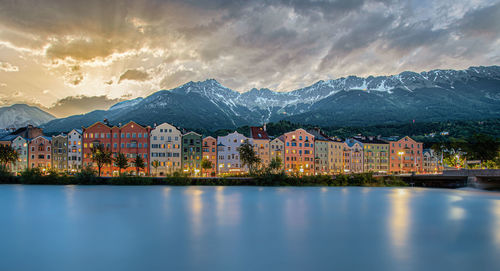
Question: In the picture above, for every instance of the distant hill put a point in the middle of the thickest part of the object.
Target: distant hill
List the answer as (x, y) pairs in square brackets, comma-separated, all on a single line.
[(438, 95), (19, 115)]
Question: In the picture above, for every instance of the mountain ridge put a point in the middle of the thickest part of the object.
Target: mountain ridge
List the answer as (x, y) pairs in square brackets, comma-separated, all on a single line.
[(18, 115), (398, 98)]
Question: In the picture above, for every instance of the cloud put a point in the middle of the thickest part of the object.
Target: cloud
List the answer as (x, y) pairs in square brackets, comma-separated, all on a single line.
[(90, 47), (81, 104), (134, 75), (7, 67)]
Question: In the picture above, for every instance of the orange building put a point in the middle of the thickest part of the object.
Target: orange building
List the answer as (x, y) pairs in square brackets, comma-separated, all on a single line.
[(299, 152), (130, 139), (406, 155), (209, 152), (40, 150)]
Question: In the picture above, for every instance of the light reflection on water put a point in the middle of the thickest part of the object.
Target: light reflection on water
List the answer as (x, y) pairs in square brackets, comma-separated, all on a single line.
[(247, 228), (400, 221)]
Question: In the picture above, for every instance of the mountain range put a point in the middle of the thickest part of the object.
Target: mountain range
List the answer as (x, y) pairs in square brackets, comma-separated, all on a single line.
[(19, 115), (436, 95)]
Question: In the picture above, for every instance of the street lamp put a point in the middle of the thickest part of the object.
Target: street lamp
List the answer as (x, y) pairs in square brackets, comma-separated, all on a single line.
[(401, 164)]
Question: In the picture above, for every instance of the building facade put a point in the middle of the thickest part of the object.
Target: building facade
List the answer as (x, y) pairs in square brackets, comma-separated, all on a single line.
[(209, 152), (165, 149), (431, 162), (406, 155), (335, 155), (60, 152), (191, 153), (375, 154), (261, 141), (75, 150), (299, 152), (40, 151), (134, 141), (20, 145), (277, 149), (228, 156), (321, 151), (353, 156), (130, 139)]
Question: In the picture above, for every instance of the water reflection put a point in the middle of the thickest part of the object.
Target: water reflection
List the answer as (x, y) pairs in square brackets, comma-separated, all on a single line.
[(400, 222), (69, 192), (455, 212), (496, 229), (195, 204), (227, 207)]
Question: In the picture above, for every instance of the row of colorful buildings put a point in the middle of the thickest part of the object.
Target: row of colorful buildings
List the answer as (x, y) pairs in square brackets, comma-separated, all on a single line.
[(165, 149)]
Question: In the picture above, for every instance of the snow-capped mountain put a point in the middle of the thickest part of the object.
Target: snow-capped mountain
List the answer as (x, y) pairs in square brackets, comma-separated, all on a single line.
[(19, 115), (426, 96)]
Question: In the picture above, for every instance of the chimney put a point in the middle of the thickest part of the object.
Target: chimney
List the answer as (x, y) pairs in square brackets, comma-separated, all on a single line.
[(264, 126)]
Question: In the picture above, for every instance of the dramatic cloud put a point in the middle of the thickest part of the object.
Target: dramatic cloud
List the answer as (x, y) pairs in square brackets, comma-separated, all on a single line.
[(134, 75), (126, 47), (80, 104)]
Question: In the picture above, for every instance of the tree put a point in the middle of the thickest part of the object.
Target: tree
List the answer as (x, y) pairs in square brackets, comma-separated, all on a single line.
[(101, 156), (7, 155), (121, 162), (248, 156), (482, 147), (139, 164), (275, 164), (206, 164), (155, 164)]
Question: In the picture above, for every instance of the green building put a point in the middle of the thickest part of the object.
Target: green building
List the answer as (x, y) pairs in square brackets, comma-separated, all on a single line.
[(375, 153), (191, 153)]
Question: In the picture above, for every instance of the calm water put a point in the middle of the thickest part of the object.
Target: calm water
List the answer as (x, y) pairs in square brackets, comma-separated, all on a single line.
[(247, 228)]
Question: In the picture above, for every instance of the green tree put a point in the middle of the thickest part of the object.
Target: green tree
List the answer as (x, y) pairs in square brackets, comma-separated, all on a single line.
[(248, 156), (206, 164), (7, 155), (121, 162), (481, 147), (139, 164), (155, 164), (275, 164), (101, 156)]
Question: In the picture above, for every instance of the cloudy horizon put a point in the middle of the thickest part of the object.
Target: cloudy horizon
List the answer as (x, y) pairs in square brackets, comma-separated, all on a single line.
[(77, 56)]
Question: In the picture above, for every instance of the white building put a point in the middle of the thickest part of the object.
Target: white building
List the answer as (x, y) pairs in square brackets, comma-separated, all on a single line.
[(228, 157), (165, 149), (20, 145), (75, 150)]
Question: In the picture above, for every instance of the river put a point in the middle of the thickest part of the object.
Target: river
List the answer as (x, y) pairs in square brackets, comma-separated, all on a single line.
[(247, 228)]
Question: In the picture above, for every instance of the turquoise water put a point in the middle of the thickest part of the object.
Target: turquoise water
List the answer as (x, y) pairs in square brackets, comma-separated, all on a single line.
[(247, 228)]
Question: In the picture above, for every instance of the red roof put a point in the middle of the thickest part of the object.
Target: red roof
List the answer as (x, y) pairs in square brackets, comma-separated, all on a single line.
[(258, 133)]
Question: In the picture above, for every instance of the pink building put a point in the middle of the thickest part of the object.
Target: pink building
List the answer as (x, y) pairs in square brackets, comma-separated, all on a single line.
[(40, 150), (406, 155), (299, 152)]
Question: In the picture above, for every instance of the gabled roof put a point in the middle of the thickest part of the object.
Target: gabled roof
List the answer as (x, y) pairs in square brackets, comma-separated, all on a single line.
[(351, 142), (370, 140), (60, 135), (280, 138), (258, 133), (318, 135), (191, 132), (45, 137), (76, 130)]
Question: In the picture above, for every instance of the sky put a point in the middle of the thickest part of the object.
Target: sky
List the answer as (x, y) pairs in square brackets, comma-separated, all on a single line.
[(70, 57)]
